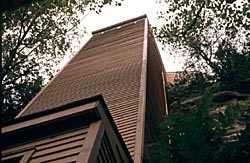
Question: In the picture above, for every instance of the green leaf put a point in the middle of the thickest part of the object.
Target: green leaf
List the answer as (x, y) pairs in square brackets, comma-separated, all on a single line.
[(229, 112), (170, 120), (221, 118), (204, 152)]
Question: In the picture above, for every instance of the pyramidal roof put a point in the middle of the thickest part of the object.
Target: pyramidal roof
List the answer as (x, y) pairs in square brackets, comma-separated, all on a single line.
[(114, 64)]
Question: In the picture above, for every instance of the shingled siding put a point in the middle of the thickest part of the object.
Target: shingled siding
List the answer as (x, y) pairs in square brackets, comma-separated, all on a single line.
[(109, 64)]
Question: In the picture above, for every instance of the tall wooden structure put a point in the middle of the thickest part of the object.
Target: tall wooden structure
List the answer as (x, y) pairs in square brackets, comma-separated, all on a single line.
[(123, 64)]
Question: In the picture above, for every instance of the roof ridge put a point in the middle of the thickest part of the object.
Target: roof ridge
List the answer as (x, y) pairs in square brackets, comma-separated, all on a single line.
[(119, 24)]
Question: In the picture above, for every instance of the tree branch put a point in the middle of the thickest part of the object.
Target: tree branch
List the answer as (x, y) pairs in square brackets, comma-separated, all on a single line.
[(13, 52), (206, 59), (18, 76), (197, 15)]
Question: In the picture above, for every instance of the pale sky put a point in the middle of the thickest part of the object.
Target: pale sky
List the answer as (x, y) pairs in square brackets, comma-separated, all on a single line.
[(130, 9)]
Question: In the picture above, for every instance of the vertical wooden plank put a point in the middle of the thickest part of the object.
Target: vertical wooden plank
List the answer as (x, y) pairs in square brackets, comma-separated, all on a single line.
[(90, 149), (142, 102)]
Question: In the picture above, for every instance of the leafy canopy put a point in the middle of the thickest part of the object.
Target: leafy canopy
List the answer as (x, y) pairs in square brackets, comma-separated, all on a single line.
[(197, 29)]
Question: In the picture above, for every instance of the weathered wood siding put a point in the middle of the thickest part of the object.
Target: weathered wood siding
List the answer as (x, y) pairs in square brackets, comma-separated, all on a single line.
[(64, 147), (109, 64), (155, 98)]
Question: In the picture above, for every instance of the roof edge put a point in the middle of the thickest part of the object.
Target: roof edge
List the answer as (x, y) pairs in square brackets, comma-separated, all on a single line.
[(84, 101), (119, 24)]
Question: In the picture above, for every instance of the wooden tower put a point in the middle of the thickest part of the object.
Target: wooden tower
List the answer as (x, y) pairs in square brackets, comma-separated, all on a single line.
[(121, 63)]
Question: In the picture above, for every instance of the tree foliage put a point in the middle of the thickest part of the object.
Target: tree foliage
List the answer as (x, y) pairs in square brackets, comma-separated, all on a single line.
[(214, 38), (199, 28), (198, 136), (34, 37)]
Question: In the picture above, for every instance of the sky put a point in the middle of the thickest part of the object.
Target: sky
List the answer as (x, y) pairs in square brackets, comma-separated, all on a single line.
[(129, 9)]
